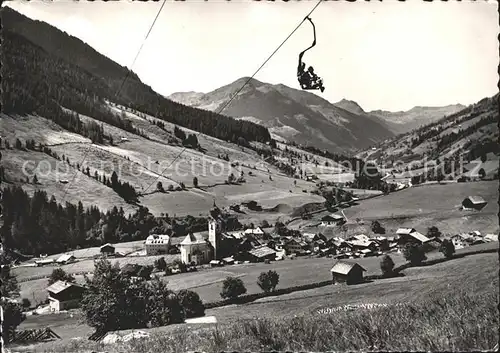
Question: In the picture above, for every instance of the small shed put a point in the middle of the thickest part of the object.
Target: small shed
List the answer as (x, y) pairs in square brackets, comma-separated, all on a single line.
[(216, 263), (44, 262), (491, 237), (474, 203), (66, 259), (107, 249), (347, 272)]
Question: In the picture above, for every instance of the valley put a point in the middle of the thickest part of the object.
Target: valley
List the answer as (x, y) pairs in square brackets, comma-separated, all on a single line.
[(125, 210)]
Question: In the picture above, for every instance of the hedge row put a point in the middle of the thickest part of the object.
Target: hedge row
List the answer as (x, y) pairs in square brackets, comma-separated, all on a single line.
[(252, 297)]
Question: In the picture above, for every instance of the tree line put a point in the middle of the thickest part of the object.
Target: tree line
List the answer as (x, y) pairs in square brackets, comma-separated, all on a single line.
[(39, 225)]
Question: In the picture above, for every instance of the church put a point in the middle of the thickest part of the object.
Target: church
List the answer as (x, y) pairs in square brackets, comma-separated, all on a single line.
[(201, 248)]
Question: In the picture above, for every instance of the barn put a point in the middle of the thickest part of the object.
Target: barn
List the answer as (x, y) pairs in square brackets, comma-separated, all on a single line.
[(107, 249), (260, 254), (64, 295), (347, 272), (474, 203)]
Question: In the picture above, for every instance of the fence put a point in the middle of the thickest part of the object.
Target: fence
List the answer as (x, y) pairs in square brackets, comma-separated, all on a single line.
[(35, 335)]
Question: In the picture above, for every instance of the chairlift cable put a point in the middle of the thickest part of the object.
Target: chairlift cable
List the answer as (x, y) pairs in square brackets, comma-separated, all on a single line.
[(227, 104), (231, 99)]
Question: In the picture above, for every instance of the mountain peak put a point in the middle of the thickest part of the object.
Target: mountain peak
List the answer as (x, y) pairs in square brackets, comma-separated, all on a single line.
[(247, 80), (350, 106)]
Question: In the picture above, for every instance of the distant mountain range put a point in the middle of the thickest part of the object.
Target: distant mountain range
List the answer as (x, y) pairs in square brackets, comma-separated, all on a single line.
[(287, 113), (404, 121), (401, 122), (293, 114), (309, 119), (471, 134)]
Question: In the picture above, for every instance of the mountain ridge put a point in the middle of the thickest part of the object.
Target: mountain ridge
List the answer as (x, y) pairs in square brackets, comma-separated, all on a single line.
[(291, 114), (416, 117)]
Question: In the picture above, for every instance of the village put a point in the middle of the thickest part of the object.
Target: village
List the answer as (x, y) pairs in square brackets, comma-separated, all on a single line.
[(188, 205), (217, 247)]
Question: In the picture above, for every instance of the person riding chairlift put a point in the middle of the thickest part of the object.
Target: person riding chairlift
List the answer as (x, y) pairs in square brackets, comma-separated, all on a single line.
[(308, 79)]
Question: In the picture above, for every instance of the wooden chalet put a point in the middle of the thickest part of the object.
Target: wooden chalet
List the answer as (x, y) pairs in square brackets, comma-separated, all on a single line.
[(347, 272)]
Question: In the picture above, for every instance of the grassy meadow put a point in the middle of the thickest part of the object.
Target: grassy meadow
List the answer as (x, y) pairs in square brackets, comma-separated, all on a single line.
[(449, 306)]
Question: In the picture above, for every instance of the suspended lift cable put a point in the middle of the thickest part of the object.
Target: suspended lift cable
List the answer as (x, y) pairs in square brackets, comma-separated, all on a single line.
[(243, 86), (116, 94), (220, 110)]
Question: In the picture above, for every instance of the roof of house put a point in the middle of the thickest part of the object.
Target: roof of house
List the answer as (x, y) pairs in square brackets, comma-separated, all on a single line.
[(61, 286), (309, 236), (493, 237), (262, 251), (461, 236), (360, 243), (237, 234), (361, 237), (332, 217), (228, 259), (344, 267), (420, 237), (405, 231), (290, 240), (257, 230), (476, 199), (251, 240), (158, 239), (107, 245), (44, 261), (194, 238), (65, 257)]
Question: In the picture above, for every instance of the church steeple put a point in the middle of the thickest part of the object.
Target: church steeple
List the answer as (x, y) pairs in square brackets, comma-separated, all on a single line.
[(215, 212), (215, 227)]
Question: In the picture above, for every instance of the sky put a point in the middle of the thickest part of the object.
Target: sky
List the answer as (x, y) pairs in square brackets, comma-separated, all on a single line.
[(386, 55)]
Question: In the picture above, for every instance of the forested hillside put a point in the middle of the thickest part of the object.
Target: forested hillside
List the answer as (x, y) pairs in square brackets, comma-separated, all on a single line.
[(459, 138), (44, 68), (38, 224)]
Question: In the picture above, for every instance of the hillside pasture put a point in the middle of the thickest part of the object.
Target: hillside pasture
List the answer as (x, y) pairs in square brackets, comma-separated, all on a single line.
[(418, 207), (148, 159), (299, 271), (36, 291), (32, 127), (50, 172), (336, 177), (425, 200), (475, 273)]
